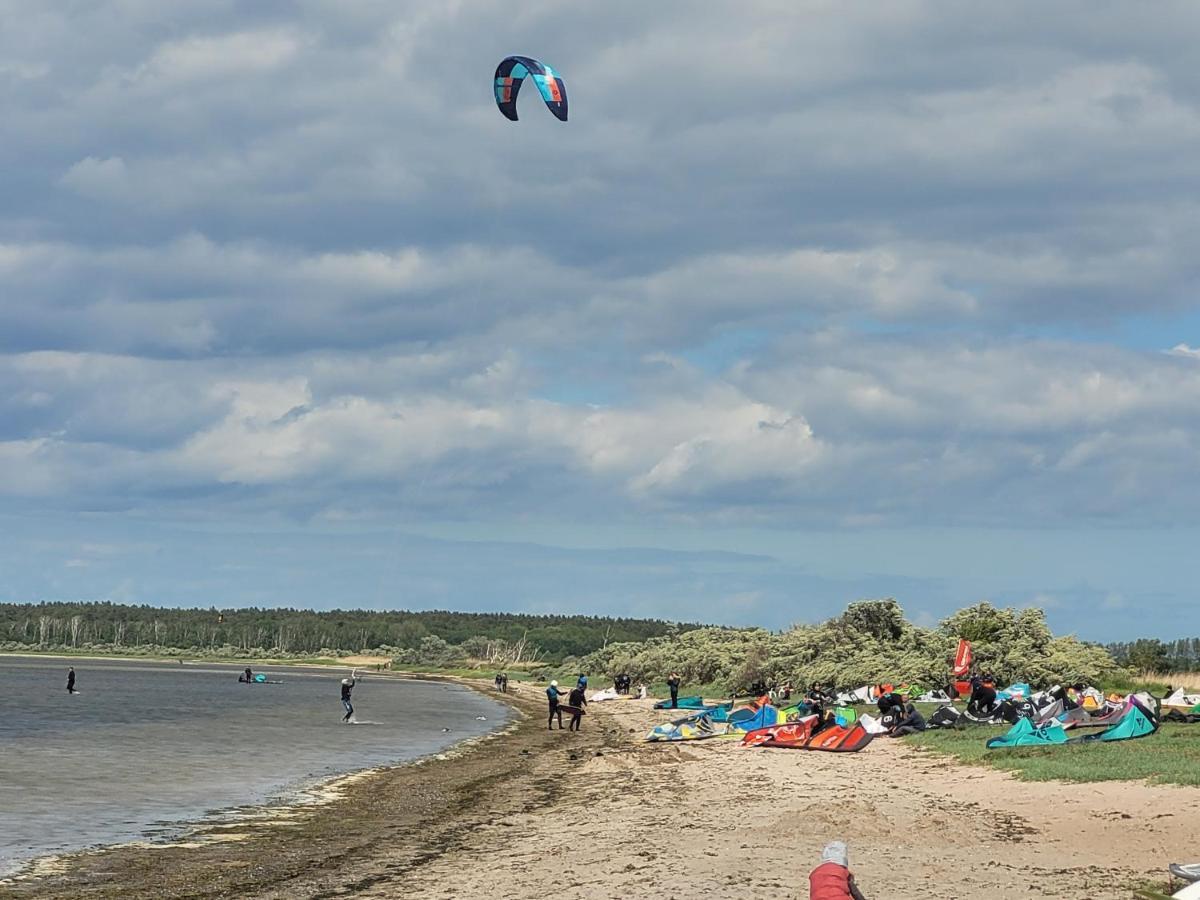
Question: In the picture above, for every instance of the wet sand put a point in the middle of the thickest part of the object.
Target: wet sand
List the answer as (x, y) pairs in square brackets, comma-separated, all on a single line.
[(532, 814)]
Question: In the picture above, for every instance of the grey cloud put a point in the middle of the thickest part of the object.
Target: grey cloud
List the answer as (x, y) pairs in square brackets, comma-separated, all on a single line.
[(285, 259)]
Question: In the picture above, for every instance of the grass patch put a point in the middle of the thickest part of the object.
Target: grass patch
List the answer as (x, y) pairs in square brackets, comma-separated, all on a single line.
[(1171, 756)]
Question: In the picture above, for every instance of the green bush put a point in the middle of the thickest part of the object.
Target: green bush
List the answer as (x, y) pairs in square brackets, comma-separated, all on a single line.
[(870, 643)]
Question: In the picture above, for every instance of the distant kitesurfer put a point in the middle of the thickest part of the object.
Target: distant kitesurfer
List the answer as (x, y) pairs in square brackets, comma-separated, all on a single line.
[(832, 879), (347, 687), (673, 684), (71, 680), (577, 701), (552, 694)]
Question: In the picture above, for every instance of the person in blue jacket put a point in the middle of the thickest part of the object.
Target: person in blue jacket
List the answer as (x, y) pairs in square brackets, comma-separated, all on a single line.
[(552, 694)]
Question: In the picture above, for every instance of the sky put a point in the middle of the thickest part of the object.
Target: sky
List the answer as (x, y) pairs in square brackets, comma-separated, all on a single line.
[(805, 303)]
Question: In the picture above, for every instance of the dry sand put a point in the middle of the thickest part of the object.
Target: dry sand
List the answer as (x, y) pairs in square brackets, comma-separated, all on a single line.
[(713, 819), (601, 815)]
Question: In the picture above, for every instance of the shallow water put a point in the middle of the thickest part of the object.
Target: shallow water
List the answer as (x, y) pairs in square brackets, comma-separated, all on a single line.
[(146, 747)]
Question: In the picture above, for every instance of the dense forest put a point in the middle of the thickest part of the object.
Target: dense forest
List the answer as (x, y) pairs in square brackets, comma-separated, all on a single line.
[(435, 635), (1150, 655)]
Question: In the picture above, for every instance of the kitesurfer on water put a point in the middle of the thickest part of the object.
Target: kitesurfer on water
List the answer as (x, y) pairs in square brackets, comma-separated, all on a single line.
[(71, 680), (347, 687)]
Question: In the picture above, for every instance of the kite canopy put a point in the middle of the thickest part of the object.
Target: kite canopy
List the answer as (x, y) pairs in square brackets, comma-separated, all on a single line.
[(962, 659), (513, 70)]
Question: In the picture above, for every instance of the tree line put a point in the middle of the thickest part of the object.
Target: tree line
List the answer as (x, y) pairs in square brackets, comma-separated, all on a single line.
[(112, 626), (1152, 655)]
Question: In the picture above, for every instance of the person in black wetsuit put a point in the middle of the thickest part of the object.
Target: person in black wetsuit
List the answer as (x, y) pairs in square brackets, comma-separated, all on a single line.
[(911, 721), (673, 684), (247, 676), (983, 700), (578, 700), (71, 680), (347, 688), (889, 701), (552, 695)]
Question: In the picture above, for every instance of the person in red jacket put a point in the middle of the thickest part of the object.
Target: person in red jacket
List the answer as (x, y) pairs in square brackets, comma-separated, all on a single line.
[(831, 880)]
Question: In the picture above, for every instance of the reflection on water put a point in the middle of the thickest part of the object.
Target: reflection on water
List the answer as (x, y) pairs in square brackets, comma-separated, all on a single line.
[(146, 746)]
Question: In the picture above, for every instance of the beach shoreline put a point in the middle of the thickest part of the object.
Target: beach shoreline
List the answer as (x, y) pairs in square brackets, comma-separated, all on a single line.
[(492, 820), (65, 873)]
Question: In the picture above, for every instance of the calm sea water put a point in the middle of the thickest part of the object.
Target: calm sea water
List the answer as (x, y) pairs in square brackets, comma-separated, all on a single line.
[(146, 747)]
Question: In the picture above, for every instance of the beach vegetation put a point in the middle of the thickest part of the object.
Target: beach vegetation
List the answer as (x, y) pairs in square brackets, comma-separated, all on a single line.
[(1171, 757), (870, 643)]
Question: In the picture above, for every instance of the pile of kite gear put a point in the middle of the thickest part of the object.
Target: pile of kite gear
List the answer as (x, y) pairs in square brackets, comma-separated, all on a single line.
[(1181, 708), (762, 724), (826, 719)]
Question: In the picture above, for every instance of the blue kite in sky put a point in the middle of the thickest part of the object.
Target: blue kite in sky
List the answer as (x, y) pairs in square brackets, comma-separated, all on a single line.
[(512, 72)]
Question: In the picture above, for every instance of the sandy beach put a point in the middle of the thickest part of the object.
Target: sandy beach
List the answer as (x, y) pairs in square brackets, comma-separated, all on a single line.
[(600, 814)]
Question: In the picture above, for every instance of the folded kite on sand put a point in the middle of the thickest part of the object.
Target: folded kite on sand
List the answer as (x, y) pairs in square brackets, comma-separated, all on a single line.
[(689, 730), (789, 732), (681, 703)]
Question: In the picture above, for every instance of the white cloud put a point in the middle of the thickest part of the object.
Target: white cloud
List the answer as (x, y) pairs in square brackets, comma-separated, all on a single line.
[(102, 178), (237, 53)]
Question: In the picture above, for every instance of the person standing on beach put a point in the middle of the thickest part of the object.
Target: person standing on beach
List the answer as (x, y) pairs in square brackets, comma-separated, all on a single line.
[(249, 675), (71, 680), (552, 694), (577, 701), (673, 684), (347, 687)]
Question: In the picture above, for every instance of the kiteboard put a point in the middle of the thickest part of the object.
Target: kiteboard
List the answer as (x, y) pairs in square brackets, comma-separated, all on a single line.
[(571, 710)]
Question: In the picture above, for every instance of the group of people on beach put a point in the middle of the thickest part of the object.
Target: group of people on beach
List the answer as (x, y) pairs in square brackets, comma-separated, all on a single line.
[(576, 701), (501, 682)]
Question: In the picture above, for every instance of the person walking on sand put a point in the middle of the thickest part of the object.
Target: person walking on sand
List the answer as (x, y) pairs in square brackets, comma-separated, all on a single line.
[(832, 880), (552, 694), (347, 687), (673, 684), (71, 680), (577, 701)]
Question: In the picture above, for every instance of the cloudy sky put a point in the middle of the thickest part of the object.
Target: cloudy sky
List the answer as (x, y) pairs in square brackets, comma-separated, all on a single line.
[(805, 303)]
